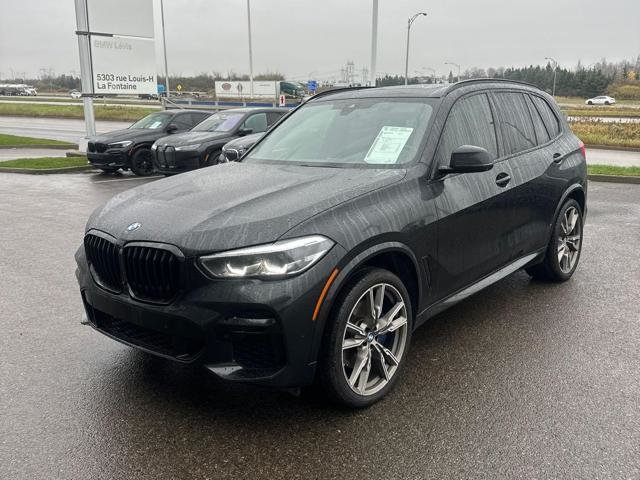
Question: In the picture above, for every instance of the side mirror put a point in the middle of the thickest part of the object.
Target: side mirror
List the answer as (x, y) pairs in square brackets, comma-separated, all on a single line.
[(467, 159), (172, 128), (245, 131)]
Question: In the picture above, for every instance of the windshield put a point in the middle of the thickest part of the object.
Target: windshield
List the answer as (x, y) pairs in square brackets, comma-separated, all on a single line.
[(219, 122), (153, 121), (374, 132)]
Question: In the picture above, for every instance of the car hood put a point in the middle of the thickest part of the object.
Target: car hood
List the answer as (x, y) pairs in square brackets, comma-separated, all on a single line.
[(233, 205), (124, 134), (189, 138)]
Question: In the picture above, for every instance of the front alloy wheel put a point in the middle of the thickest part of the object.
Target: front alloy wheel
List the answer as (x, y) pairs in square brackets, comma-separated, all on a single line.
[(142, 162), (368, 338), (374, 339)]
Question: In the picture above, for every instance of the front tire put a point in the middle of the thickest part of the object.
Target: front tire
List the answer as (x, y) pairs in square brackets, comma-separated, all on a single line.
[(589, 103), (142, 162), (367, 339), (563, 252)]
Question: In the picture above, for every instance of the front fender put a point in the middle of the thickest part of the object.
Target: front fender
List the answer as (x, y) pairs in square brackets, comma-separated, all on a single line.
[(350, 263)]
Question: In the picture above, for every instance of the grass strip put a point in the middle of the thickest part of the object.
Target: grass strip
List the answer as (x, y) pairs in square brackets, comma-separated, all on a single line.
[(14, 141), (613, 134), (102, 112), (43, 163), (613, 170)]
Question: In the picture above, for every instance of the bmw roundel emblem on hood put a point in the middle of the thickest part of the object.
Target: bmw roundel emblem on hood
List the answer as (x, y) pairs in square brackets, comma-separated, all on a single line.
[(133, 226)]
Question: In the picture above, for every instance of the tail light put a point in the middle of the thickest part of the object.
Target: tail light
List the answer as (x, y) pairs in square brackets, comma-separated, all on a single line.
[(583, 149)]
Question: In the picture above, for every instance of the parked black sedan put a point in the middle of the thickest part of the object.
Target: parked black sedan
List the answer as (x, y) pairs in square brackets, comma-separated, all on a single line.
[(130, 148), (202, 145)]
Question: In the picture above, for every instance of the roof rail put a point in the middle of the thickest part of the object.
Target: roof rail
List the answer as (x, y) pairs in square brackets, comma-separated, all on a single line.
[(462, 83), (336, 90)]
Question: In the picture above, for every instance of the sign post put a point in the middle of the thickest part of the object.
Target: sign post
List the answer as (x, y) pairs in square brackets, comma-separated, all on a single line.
[(84, 48)]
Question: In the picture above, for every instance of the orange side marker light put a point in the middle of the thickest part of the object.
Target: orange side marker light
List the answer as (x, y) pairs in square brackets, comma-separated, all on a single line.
[(323, 293)]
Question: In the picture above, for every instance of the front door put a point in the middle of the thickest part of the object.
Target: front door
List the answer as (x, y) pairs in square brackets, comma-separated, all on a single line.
[(474, 209)]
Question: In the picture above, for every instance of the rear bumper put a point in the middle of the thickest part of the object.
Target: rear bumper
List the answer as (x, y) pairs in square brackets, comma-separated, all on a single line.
[(246, 331)]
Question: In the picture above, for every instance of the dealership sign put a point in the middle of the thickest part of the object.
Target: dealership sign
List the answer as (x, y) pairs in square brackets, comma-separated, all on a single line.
[(123, 65), (241, 89), (121, 47)]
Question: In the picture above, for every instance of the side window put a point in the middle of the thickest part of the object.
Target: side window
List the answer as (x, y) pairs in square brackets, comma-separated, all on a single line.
[(196, 118), (538, 125), (273, 117), (470, 122), (515, 121), (549, 118), (257, 122), (183, 121)]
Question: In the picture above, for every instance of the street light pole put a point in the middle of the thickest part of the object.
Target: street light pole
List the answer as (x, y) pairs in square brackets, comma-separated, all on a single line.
[(457, 66), (555, 67), (250, 49), (406, 63), (374, 43), (164, 48)]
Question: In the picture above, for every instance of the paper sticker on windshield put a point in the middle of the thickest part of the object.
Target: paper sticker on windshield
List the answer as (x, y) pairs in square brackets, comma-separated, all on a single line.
[(388, 144)]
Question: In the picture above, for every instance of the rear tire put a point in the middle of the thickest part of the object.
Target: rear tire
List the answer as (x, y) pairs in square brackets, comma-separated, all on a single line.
[(142, 162), (563, 252), (367, 339)]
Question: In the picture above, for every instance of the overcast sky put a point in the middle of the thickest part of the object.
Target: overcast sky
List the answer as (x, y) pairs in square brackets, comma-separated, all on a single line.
[(297, 37)]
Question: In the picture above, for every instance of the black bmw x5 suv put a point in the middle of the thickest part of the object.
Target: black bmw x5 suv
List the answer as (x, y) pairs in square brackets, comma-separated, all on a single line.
[(358, 217)]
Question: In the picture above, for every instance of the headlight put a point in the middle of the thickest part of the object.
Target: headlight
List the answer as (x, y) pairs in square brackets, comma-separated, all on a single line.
[(183, 148), (154, 147), (279, 259), (122, 144)]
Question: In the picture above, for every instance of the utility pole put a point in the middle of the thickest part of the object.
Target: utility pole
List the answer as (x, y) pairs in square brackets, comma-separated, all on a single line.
[(164, 48), (250, 49), (82, 23), (374, 43), (555, 67), (406, 63)]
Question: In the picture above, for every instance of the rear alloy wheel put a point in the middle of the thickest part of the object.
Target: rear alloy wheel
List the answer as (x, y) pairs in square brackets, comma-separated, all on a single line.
[(142, 162), (368, 340), (563, 251)]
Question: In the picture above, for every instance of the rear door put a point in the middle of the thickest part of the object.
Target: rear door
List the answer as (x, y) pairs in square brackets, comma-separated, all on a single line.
[(474, 221), (529, 150)]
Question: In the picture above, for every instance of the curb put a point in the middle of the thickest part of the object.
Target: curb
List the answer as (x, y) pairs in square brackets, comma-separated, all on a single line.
[(75, 153), (614, 178), (41, 146), (36, 171), (611, 147)]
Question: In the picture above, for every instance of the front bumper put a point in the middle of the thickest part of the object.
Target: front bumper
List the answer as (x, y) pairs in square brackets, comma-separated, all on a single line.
[(110, 159), (241, 330), (167, 160)]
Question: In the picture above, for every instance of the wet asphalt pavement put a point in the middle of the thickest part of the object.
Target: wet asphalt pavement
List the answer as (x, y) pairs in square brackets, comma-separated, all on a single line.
[(524, 380)]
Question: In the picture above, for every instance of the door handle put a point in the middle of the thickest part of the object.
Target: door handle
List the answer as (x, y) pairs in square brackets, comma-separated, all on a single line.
[(558, 157), (503, 179)]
